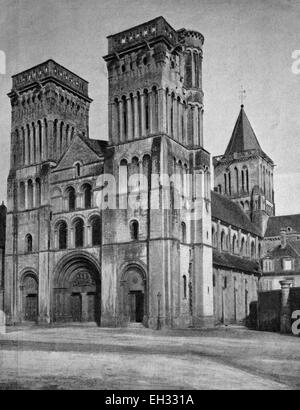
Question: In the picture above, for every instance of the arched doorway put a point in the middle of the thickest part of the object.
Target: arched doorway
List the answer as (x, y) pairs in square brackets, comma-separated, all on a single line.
[(77, 289), (30, 290), (133, 287)]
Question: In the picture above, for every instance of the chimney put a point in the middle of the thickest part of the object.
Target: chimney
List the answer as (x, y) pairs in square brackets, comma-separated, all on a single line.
[(283, 237)]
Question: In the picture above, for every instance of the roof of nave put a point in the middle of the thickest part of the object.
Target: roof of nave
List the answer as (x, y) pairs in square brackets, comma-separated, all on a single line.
[(231, 213), (243, 137), (276, 223), (229, 261)]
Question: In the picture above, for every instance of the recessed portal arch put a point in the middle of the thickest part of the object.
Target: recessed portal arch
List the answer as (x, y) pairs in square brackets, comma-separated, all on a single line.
[(77, 289)]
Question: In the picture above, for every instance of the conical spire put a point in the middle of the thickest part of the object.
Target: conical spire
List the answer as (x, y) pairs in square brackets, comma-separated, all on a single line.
[(243, 137)]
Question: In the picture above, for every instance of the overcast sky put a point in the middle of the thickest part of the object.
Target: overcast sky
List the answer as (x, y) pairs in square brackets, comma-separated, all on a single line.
[(246, 42)]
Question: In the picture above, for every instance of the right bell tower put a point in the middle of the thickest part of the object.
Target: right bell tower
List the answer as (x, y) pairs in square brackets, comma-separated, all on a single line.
[(157, 257), (155, 84)]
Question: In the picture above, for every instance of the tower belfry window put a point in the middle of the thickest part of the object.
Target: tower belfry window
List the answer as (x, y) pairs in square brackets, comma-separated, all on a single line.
[(196, 65), (133, 114), (155, 109), (23, 146), (55, 135), (117, 116), (29, 156), (61, 139), (33, 159), (247, 180), (41, 148), (30, 194), (188, 69), (147, 116), (124, 113), (139, 113), (243, 181), (236, 180), (172, 115)]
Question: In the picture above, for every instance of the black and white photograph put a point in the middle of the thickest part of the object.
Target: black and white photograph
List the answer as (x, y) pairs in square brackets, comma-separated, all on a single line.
[(149, 197)]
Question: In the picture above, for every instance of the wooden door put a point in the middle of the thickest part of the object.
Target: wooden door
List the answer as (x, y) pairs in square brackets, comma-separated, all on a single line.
[(139, 306), (31, 308), (76, 307), (132, 309), (91, 307)]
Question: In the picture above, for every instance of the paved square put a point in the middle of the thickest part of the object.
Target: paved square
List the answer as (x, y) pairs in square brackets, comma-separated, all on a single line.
[(98, 358)]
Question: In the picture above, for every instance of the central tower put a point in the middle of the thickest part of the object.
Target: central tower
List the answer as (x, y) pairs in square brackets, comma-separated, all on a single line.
[(245, 173), (157, 257)]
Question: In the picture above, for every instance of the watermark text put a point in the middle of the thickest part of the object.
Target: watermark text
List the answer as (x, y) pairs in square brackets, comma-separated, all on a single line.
[(296, 323), (296, 63)]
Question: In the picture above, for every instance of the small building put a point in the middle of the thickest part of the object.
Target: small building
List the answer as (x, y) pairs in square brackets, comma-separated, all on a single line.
[(282, 261), (272, 234)]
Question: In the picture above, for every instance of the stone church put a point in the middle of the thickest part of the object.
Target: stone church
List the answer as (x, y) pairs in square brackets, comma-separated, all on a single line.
[(68, 259)]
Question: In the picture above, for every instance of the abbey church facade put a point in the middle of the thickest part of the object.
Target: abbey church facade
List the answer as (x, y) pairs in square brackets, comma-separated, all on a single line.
[(68, 259)]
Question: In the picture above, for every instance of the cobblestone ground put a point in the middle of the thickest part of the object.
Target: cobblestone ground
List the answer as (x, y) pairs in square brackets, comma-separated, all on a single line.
[(98, 358)]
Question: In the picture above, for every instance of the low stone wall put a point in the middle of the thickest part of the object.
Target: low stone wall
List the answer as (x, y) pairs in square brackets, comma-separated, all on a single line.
[(269, 307), (275, 308)]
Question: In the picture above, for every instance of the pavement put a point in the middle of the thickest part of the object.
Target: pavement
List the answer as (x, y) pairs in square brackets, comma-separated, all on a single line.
[(84, 357)]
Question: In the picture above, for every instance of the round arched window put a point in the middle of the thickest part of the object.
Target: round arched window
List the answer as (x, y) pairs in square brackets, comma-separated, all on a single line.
[(134, 230), (28, 243)]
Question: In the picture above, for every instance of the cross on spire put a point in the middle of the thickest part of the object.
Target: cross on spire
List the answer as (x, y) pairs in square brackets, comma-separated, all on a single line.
[(242, 95)]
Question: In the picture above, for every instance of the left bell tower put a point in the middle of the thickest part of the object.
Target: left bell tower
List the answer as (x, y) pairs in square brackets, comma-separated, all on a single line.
[(49, 104)]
